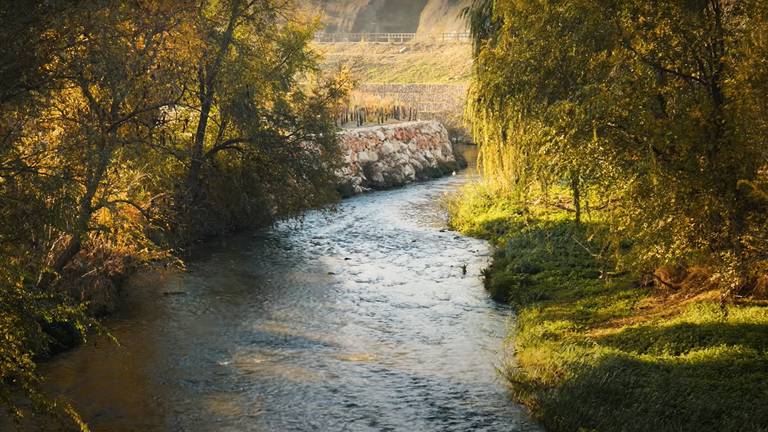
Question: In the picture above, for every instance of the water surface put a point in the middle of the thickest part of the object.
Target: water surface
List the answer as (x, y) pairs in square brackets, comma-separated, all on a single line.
[(357, 320)]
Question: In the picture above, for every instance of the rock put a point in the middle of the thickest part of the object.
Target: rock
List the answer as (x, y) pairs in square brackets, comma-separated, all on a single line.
[(394, 178), (387, 148), (367, 156), (393, 155), (409, 172)]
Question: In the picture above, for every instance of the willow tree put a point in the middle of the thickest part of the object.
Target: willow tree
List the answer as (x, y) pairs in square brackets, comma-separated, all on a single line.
[(533, 98), (654, 106), (702, 141), (106, 109)]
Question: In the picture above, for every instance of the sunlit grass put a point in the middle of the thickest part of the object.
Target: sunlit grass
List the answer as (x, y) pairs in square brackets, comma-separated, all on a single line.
[(599, 352), (417, 62)]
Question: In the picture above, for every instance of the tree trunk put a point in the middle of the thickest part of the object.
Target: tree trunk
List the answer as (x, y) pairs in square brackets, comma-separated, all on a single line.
[(575, 189), (85, 211), (198, 145), (208, 73)]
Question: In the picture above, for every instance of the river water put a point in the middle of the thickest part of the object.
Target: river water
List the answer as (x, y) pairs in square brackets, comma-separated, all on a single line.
[(361, 319)]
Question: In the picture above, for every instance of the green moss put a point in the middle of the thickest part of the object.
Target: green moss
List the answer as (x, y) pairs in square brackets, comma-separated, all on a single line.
[(585, 361)]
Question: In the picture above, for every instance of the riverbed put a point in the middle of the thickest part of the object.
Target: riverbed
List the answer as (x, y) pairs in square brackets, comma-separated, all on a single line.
[(370, 317)]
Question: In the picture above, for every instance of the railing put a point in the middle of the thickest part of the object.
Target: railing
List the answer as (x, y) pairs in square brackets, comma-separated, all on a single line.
[(397, 38)]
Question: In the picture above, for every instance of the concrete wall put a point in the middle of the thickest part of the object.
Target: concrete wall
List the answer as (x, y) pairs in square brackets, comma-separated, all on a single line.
[(387, 156)]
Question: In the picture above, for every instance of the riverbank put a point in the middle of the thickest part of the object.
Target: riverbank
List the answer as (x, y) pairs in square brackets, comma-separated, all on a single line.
[(594, 350), (372, 158), (393, 155), (110, 294), (340, 321)]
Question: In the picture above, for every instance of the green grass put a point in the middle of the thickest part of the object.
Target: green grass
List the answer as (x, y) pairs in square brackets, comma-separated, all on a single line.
[(603, 354), (417, 62)]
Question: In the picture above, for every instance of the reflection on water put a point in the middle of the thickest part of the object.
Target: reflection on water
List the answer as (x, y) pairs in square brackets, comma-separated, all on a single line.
[(357, 320)]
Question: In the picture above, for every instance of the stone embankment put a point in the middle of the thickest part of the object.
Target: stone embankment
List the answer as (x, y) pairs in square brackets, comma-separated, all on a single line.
[(387, 156)]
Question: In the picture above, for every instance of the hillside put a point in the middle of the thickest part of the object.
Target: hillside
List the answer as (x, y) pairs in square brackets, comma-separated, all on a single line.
[(428, 75), (407, 16), (417, 62)]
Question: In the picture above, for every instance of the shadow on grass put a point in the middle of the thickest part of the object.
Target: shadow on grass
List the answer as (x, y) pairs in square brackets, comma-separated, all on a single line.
[(720, 390), (538, 259), (706, 375), (680, 339)]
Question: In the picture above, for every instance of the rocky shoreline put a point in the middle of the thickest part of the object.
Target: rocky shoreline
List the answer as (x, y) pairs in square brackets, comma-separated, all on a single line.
[(387, 156)]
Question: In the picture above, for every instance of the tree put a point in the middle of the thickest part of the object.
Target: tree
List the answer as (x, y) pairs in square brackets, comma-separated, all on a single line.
[(99, 168), (109, 97), (256, 109), (533, 97), (654, 107)]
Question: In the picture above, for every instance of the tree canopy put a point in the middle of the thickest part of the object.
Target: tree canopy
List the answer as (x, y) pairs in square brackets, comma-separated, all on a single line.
[(655, 112), (130, 130)]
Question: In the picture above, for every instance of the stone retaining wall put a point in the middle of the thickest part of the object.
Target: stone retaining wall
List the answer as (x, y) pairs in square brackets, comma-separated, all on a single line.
[(387, 156)]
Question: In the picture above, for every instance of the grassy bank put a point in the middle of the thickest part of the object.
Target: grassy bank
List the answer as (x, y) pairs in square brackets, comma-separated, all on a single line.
[(594, 350)]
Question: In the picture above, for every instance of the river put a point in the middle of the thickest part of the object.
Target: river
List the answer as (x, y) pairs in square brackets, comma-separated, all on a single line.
[(360, 319)]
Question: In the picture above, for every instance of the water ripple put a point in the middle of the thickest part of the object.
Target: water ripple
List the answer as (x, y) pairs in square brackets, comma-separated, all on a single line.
[(361, 319)]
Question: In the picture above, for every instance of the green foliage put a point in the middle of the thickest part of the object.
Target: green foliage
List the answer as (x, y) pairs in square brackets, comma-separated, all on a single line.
[(28, 318), (261, 112), (593, 351), (652, 109), (129, 130), (484, 212)]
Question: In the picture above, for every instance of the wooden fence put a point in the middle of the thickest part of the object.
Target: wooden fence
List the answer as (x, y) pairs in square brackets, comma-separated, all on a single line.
[(426, 99), (388, 103), (396, 38), (356, 115)]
